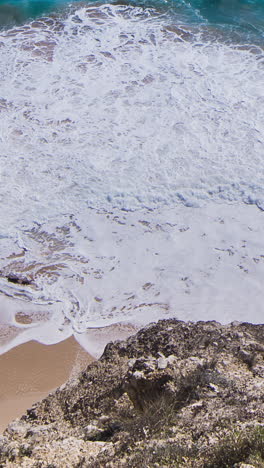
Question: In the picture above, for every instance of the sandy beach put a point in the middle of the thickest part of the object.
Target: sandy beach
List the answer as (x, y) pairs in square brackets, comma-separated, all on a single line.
[(30, 371)]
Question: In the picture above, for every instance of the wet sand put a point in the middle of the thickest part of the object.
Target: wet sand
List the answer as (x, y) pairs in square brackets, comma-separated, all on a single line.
[(32, 370)]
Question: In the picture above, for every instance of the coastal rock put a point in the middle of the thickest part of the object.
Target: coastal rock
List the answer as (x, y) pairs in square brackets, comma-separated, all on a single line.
[(175, 394)]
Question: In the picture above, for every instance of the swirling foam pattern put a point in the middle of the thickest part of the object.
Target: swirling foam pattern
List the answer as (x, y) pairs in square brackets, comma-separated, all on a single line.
[(116, 125)]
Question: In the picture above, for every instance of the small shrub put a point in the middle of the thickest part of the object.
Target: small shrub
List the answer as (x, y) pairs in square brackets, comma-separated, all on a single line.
[(239, 447), (156, 418), (171, 455)]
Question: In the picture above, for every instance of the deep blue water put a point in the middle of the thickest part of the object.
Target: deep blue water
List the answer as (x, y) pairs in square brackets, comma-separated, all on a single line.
[(242, 16)]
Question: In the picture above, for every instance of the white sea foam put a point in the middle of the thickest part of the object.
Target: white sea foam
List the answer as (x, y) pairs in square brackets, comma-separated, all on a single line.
[(112, 110)]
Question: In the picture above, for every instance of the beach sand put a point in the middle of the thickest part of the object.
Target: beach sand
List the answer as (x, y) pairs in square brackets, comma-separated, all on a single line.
[(32, 370)]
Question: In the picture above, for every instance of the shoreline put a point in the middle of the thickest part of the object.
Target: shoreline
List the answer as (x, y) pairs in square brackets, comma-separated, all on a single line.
[(32, 370)]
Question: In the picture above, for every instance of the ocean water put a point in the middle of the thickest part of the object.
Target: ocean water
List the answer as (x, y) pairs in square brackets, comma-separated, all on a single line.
[(131, 166)]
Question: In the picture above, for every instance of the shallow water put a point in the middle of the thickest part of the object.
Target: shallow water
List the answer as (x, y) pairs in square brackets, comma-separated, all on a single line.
[(131, 150), (243, 15)]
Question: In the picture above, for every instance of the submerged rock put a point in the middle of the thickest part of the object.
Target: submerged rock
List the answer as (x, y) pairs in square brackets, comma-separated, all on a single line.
[(175, 394)]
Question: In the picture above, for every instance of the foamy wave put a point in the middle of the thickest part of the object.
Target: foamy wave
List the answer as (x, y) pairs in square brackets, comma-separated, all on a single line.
[(112, 122), (114, 109)]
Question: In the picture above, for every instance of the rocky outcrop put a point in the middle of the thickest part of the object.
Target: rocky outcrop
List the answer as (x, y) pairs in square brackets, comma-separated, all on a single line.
[(175, 394)]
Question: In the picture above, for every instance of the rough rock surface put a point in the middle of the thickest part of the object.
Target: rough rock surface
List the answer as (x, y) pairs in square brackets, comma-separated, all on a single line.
[(175, 394)]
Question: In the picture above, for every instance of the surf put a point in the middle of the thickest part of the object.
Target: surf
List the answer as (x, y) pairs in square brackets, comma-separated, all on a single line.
[(131, 185)]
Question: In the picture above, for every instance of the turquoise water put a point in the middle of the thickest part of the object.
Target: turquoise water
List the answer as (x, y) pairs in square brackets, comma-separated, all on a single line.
[(19, 11), (239, 16)]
